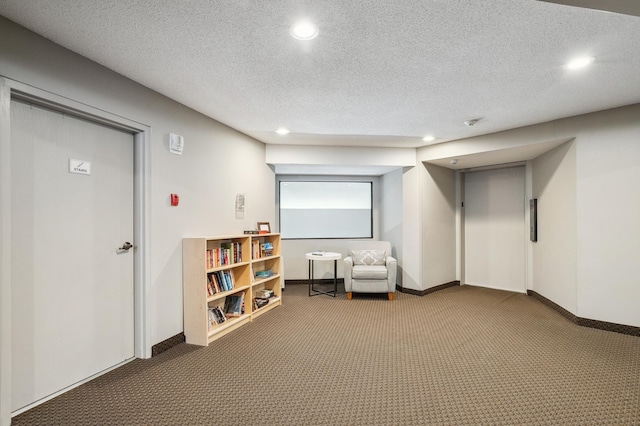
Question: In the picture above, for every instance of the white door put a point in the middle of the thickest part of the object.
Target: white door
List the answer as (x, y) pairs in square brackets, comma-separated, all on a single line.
[(72, 290), (494, 228)]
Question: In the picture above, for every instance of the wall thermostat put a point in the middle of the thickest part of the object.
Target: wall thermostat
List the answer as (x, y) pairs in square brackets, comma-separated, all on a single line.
[(176, 144)]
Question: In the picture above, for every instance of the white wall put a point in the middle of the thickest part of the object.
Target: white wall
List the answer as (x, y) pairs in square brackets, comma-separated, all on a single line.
[(340, 155), (410, 264), (5, 257), (607, 169), (555, 252), (293, 251), (217, 163), (438, 219), (608, 205), (387, 191), (391, 213)]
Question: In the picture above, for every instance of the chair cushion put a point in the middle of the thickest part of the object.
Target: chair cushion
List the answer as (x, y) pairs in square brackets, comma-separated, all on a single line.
[(368, 257), (369, 272)]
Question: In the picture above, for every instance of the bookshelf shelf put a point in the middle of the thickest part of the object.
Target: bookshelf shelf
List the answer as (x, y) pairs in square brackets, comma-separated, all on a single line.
[(220, 285), (227, 324), (226, 267), (224, 294), (264, 280)]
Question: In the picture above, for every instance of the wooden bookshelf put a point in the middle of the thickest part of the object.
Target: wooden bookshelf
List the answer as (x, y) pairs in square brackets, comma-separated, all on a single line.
[(215, 269), (261, 262)]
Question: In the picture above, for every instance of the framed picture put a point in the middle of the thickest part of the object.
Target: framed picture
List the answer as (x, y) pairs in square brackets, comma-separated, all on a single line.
[(264, 228)]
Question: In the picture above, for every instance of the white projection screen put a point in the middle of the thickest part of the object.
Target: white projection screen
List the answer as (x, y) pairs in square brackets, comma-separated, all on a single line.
[(318, 210)]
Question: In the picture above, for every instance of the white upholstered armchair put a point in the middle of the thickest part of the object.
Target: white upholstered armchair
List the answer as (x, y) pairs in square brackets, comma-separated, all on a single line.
[(369, 268)]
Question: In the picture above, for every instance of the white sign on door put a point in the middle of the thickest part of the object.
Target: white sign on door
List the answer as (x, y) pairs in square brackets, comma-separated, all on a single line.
[(81, 167)]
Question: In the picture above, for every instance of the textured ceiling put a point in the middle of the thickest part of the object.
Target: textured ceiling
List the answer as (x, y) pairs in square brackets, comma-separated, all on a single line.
[(381, 73)]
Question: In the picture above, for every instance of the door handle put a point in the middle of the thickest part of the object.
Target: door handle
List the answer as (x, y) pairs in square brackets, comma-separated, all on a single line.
[(126, 246)]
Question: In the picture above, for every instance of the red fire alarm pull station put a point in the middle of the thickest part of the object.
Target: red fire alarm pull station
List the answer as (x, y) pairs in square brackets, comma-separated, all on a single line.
[(175, 199)]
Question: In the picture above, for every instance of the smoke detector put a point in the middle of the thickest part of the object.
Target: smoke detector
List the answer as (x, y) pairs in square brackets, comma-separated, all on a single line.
[(472, 122)]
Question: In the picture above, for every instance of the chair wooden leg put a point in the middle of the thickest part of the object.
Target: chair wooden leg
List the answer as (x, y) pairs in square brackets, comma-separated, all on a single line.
[(390, 296), (349, 295)]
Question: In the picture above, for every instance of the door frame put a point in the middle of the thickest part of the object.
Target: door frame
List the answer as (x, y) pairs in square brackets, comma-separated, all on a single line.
[(528, 249), (11, 89)]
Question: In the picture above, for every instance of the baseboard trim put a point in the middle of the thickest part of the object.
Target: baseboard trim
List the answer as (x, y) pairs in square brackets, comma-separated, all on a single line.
[(562, 311), (167, 344), (429, 290), (585, 322), (400, 289)]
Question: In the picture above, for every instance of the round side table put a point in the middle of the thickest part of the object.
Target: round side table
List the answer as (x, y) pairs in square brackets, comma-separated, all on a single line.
[(323, 256)]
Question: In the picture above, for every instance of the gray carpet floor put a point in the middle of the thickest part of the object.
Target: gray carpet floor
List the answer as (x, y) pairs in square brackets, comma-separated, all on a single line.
[(460, 356)]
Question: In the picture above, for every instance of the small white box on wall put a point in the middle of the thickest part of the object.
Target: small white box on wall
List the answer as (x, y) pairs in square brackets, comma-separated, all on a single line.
[(176, 144)]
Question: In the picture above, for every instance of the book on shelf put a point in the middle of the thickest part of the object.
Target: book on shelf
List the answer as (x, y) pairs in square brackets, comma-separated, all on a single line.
[(255, 249), (263, 297), (233, 251), (234, 305), (216, 316), (229, 276), (227, 254), (214, 285), (259, 302), (266, 249), (220, 281), (264, 294), (210, 289), (263, 274)]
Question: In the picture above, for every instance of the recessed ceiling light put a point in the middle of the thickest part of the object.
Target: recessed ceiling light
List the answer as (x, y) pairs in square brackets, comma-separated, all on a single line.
[(304, 30), (282, 131), (576, 63), (429, 138)]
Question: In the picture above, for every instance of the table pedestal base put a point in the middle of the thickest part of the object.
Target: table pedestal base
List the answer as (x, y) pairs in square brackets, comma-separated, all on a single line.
[(313, 291)]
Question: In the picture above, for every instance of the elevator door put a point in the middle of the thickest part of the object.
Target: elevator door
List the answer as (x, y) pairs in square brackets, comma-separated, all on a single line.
[(495, 239)]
